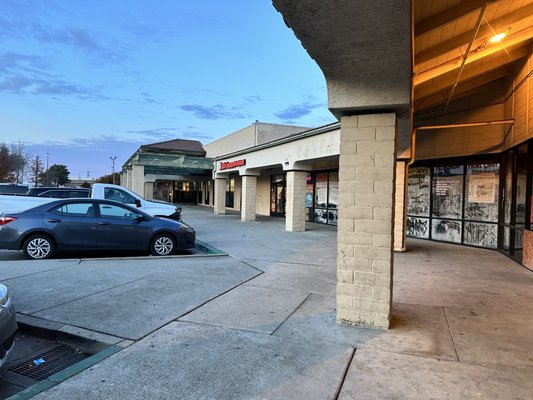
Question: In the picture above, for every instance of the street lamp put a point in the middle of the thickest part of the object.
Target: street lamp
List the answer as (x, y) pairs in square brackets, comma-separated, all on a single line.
[(47, 176), (113, 175)]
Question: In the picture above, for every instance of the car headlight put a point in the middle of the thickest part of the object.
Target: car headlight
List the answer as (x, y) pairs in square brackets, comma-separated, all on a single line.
[(4, 296), (185, 228)]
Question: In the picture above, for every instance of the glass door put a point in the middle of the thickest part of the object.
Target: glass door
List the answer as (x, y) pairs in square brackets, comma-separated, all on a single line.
[(514, 200), (277, 196)]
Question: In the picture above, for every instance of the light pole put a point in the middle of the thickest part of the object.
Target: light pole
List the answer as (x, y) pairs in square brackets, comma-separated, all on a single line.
[(47, 176), (113, 175)]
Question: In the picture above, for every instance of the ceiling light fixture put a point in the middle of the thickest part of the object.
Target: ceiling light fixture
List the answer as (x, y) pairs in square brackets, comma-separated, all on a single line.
[(498, 37)]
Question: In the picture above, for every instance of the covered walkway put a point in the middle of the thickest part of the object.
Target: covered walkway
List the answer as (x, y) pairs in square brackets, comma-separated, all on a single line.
[(260, 322)]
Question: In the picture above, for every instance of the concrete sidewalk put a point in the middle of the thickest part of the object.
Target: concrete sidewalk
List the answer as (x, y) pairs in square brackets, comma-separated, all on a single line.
[(260, 323)]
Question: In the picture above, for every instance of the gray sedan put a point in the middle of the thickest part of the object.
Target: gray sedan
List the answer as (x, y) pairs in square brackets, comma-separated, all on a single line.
[(88, 224)]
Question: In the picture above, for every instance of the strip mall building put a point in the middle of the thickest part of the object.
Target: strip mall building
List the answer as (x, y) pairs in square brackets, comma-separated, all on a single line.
[(434, 139)]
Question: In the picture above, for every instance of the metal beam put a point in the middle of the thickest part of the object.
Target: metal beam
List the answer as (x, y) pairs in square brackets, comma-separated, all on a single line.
[(474, 70), (522, 15), (513, 40)]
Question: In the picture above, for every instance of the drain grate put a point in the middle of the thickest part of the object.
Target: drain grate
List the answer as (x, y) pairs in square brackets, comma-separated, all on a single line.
[(43, 365)]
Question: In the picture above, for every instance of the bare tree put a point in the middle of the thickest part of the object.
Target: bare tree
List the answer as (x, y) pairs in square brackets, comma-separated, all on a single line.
[(20, 158), (35, 170), (5, 163)]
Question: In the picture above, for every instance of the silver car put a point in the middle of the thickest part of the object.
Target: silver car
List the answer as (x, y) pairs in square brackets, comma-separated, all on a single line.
[(8, 325)]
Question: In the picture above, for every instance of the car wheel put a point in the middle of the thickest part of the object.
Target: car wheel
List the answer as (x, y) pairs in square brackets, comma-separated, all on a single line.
[(39, 247), (163, 245)]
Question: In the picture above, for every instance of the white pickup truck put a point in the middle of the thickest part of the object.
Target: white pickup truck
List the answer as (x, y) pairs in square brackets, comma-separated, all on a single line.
[(98, 191)]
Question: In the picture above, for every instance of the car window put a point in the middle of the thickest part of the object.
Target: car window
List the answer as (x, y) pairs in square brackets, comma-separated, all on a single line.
[(75, 210), (118, 195), (113, 211)]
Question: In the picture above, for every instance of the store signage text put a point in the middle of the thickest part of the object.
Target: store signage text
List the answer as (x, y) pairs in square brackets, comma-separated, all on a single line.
[(232, 164)]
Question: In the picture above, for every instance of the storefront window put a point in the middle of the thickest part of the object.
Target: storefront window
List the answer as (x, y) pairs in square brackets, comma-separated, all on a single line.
[(447, 203), (418, 194), (481, 204)]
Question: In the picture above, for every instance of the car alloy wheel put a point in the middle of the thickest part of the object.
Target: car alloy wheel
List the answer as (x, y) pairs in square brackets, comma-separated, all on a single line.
[(38, 247), (163, 245)]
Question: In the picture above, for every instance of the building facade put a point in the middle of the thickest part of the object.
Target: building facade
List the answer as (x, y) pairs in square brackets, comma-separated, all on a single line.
[(173, 171)]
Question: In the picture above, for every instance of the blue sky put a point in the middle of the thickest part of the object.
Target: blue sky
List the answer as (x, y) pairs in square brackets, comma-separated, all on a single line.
[(84, 81)]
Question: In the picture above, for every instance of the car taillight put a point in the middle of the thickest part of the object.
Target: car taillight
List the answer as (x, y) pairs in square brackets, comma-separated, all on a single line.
[(6, 220)]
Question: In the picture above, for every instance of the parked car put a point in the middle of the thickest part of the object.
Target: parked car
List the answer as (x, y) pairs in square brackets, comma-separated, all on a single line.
[(8, 325), (98, 191), (58, 192), (12, 188), (89, 224)]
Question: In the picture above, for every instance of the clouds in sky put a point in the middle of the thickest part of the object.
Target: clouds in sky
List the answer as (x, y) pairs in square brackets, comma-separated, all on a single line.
[(297, 111), (214, 112), (98, 79)]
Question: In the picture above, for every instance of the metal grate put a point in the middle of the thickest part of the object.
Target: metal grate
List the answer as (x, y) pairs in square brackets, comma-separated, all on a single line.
[(43, 365)]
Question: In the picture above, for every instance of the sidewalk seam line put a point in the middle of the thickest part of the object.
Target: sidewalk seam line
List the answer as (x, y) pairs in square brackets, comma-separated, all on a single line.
[(451, 334), (290, 315), (344, 375)]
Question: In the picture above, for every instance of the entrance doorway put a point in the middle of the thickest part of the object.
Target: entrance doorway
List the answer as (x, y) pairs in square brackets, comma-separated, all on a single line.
[(515, 212), (277, 195)]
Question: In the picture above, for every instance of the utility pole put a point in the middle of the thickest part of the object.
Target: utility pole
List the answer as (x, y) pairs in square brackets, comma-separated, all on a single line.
[(47, 176), (113, 175), (36, 170)]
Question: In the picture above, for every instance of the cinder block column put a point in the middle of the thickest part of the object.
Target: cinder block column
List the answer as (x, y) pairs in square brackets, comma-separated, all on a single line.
[(295, 201), (137, 179), (400, 208), (365, 225), (220, 196), (249, 193)]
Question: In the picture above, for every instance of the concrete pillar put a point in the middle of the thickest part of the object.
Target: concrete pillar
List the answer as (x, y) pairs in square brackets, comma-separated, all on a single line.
[(220, 196), (137, 179), (400, 207), (149, 190), (249, 191), (124, 178), (237, 194), (365, 225), (203, 185), (295, 201), (129, 177)]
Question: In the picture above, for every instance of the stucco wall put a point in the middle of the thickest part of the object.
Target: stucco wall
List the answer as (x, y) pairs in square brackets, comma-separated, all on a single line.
[(241, 139), (269, 132), (287, 154), (257, 133)]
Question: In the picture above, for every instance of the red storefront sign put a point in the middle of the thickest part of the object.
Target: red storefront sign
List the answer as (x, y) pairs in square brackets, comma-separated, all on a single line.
[(232, 164)]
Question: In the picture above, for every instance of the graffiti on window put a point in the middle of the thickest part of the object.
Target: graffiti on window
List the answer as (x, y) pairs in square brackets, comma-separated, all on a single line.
[(481, 235), (418, 227), (446, 230)]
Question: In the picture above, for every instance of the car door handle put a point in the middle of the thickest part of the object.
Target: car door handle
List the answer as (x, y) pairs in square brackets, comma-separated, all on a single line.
[(54, 220), (104, 223)]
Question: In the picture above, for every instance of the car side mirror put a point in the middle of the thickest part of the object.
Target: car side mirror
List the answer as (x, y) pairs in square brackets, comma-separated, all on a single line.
[(137, 202), (139, 218)]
